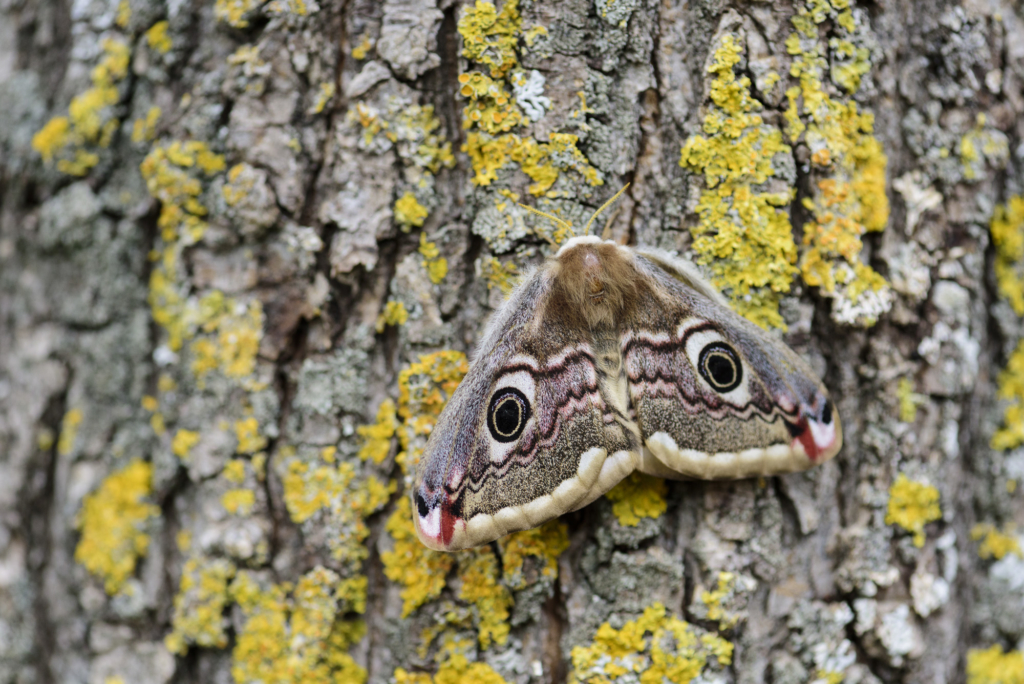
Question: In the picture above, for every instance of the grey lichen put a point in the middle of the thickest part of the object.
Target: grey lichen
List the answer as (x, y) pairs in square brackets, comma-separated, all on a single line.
[(333, 383)]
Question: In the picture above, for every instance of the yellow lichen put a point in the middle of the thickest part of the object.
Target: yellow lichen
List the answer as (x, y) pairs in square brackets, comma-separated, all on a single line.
[(1011, 389), (490, 39), (394, 313), (420, 571), (250, 440), (458, 670), (158, 39), (651, 649), (423, 390), (532, 34), (481, 586), (44, 439), (542, 162), (234, 12), (743, 234), (409, 212), (234, 471), (241, 181), (402, 676), (912, 505), (113, 522), (144, 130), (183, 442), (352, 593), (298, 8), (487, 155), (1007, 229), (159, 425), (234, 333), (980, 145), (455, 669), (536, 160), (124, 14), (199, 605), (80, 163), (638, 496), (238, 501), (166, 172), (379, 435), (68, 431), (830, 676), (848, 196), (230, 331), (436, 265), (852, 62), (87, 112), (491, 106), (165, 383), (90, 121), (365, 45), (332, 491), (324, 95), (992, 666), (713, 601), (498, 275), (546, 543), (995, 544), (296, 638), (412, 131), (239, 341), (52, 137), (908, 400)]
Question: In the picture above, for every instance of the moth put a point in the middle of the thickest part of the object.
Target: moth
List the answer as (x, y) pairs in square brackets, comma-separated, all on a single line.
[(606, 360)]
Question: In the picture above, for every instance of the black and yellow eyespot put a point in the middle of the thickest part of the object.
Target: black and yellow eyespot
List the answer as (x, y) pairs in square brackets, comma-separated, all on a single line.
[(507, 414), (720, 365)]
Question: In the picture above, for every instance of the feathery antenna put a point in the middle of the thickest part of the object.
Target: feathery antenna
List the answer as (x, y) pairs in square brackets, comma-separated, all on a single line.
[(565, 225), (561, 223), (586, 230)]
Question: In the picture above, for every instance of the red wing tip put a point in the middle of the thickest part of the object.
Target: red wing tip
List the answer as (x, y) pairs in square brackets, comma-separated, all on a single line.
[(435, 525), (819, 442)]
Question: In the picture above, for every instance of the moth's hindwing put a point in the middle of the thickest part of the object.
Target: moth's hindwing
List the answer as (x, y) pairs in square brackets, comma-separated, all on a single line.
[(605, 361), (714, 395)]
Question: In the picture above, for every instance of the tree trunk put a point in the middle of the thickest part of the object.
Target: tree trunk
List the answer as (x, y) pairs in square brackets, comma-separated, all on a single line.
[(247, 246)]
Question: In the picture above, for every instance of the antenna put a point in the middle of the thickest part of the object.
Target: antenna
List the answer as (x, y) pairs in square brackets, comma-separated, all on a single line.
[(586, 230), (562, 223), (565, 225)]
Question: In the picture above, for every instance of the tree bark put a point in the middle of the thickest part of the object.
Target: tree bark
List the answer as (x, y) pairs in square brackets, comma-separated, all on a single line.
[(246, 248)]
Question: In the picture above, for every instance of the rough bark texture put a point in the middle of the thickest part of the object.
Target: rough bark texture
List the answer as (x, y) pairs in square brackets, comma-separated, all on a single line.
[(254, 220)]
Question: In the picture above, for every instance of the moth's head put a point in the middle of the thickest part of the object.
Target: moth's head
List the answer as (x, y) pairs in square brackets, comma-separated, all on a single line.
[(594, 278)]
